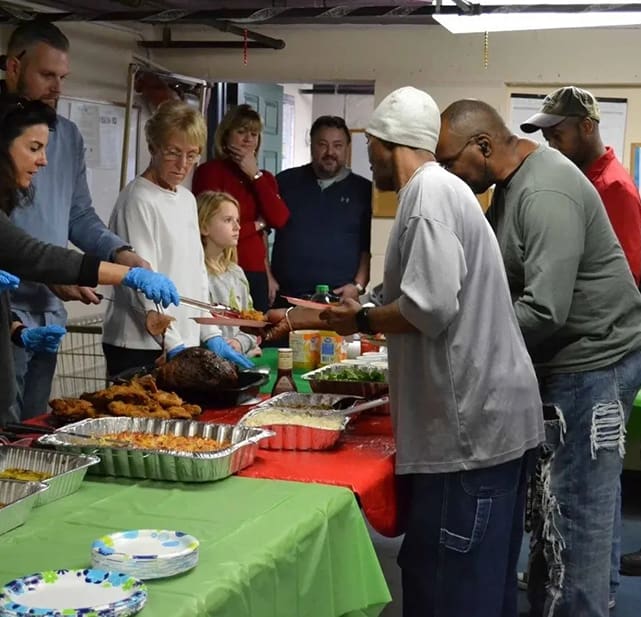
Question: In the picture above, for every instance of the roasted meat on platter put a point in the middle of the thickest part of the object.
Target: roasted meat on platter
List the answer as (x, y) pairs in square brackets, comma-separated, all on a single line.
[(197, 369)]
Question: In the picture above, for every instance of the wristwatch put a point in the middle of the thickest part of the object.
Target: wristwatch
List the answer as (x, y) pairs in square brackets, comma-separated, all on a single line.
[(359, 288), (362, 322)]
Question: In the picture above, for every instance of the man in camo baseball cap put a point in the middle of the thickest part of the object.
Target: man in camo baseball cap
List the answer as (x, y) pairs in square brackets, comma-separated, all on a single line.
[(561, 104)]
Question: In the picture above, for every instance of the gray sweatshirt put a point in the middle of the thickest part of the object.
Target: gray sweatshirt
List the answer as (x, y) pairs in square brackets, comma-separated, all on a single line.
[(463, 389), (33, 260), (575, 299)]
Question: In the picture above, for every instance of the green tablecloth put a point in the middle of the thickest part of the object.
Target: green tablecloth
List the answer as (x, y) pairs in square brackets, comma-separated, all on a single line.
[(267, 548), (270, 359)]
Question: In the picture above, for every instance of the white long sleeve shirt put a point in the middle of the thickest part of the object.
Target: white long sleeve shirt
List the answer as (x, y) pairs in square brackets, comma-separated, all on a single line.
[(162, 226)]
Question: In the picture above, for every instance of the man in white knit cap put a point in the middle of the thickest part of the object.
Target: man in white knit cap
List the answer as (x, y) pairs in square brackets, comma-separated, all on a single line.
[(465, 403)]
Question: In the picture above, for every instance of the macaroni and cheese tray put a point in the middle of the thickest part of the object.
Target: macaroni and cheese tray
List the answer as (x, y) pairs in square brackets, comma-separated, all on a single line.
[(171, 450), (299, 421), (62, 472)]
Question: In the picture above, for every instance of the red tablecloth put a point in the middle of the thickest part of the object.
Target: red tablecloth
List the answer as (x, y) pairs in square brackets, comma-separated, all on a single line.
[(363, 461)]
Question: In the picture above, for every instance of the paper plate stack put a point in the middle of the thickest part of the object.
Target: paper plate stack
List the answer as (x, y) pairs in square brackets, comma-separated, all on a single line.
[(146, 553), (73, 593)]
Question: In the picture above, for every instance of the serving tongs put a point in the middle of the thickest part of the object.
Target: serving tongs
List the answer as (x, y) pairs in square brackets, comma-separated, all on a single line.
[(214, 309), (351, 404)]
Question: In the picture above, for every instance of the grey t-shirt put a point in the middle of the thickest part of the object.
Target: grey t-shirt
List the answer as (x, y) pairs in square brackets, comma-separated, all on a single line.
[(575, 299), (463, 389)]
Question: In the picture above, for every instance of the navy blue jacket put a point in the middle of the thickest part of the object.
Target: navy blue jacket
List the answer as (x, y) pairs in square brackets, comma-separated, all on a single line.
[(326, 233)]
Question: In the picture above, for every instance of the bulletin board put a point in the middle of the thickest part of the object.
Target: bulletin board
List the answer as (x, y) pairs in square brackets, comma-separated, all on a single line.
[(102, 127)]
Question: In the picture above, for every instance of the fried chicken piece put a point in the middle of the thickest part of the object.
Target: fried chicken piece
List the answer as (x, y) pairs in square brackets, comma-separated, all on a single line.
[(194, 410), (147, 383), (72, 408), (178, 413), (131, 393), (120, 408), (157, 413), (167, 399)]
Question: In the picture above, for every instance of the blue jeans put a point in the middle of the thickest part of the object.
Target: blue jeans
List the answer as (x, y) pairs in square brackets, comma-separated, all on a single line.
[(578, 479), (34, 370), (462, 541)]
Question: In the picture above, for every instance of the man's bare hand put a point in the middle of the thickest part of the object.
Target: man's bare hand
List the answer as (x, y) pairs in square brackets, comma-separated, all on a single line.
[(347, 291), (342, 317), (279, 328), (69, 293), (131, 260)]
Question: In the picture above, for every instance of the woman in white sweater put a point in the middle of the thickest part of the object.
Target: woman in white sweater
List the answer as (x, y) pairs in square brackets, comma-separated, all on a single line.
[(158, 217)]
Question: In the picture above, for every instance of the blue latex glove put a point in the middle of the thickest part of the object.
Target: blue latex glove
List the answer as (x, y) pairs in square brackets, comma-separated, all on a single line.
[(156, 287), (175, 351), (8, 281), (43, 338), (221, 348)]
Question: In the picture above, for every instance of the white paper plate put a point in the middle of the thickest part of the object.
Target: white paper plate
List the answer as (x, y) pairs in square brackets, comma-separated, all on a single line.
[(146, 553), (73, 593)]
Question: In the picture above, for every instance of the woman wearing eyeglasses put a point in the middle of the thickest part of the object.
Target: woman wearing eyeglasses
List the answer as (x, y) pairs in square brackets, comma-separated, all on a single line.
[(234, 170), (158, 216)]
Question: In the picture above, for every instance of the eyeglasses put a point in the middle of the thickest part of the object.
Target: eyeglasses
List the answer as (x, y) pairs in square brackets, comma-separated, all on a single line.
[(177, 155), (449, 162)]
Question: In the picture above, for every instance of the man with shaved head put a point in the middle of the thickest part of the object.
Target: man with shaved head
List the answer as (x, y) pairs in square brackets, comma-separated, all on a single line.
[(580, 315)]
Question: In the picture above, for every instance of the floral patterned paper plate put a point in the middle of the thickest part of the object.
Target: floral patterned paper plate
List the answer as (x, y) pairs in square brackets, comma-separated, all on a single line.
[(146, 553), (73, 593)]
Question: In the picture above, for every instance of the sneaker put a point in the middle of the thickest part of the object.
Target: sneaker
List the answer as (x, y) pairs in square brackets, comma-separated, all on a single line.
[(521, 580), (631, 564), (612, 602)]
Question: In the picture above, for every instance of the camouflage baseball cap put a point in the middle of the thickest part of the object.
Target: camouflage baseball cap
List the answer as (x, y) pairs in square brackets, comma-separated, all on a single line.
[(561, 104)]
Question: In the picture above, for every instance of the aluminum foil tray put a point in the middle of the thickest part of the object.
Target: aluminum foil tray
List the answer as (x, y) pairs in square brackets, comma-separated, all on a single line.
[(18, 499), (318, 382), (294, 436), (173, 466), (67, 471)]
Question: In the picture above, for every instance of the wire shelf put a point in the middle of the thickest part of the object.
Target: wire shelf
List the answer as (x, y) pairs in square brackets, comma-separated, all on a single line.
[(81, 362)]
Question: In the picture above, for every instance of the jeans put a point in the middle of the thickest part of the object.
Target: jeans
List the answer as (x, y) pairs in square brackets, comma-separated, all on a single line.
[(462, 541), (34, 369), (577, 483)]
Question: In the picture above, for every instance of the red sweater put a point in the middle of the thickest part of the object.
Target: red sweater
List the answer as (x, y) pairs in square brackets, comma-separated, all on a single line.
[(257, 199), (622, 203)]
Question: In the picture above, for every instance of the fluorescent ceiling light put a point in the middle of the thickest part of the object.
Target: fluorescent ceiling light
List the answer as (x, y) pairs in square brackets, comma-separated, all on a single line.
[(506, 22)]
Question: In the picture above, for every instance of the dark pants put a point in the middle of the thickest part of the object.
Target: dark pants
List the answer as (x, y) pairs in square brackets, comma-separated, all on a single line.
[(120, 359), (462, 543), (259, 289)]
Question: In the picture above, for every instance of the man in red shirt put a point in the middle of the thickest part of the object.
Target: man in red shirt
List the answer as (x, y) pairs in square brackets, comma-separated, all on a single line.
[(569, 120)]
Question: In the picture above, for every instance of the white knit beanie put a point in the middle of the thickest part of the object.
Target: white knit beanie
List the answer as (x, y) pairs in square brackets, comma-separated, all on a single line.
[(407, 117)]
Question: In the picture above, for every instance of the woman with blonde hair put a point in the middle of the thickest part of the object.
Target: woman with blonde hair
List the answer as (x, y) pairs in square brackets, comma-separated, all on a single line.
[(219, 219), (158, 216), (234, 170)]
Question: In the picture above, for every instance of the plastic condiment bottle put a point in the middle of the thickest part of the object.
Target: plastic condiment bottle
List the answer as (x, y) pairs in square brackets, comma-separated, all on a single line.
[(322, 295), (284, 379)]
